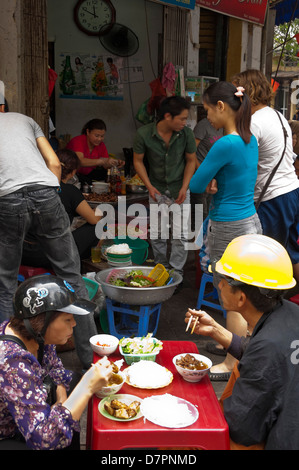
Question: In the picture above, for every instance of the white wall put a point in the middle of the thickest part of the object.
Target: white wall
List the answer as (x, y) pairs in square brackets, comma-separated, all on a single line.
[(72, 114), (251, 47)]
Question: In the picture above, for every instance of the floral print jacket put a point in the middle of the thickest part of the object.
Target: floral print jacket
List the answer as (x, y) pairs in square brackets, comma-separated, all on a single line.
[(23, 407)]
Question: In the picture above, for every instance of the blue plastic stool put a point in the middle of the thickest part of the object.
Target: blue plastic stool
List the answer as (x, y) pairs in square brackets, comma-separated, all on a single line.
[(124, 325), (202, 296)]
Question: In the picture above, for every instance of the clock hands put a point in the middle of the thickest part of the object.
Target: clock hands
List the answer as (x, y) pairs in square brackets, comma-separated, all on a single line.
[(90, 12)]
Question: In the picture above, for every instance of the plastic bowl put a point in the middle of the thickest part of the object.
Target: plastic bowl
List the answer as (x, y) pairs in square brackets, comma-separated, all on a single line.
[(130, 358), (101, 349), (111, 389), (193, 375), (100, 187)]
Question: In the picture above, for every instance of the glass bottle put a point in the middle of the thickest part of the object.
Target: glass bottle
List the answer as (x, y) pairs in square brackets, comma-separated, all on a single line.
[(68, 78), (123, 182), (117, 182), (113, 181), (108, 179)]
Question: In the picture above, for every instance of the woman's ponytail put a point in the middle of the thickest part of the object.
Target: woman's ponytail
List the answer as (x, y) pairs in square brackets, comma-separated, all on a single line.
[(239, 102)]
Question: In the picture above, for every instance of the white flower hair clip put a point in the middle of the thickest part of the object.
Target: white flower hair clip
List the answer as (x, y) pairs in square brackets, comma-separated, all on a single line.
[(240, 91)]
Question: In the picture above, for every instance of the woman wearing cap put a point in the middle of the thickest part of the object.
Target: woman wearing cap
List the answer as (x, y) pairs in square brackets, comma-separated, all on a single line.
[(232, 164), (45, 309)]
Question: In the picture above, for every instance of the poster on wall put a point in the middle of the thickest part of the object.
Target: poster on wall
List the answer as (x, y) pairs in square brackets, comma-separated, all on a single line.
[(90, 76)]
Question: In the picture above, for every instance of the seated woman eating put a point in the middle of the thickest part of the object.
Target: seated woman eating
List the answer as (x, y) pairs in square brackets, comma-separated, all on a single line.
[(75, 205), (45, 311)]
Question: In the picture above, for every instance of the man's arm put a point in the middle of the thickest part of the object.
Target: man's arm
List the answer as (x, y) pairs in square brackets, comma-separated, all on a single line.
[(50, 157), (191, 163), (141, 170)]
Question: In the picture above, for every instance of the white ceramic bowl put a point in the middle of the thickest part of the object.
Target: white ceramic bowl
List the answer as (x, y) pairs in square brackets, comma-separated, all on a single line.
[(100, 187), (111, 389), (103, 345), (193, 375)]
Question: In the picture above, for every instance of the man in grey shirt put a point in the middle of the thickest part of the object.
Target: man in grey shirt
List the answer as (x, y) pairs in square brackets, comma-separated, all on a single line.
[(205, 136), (29, 200)]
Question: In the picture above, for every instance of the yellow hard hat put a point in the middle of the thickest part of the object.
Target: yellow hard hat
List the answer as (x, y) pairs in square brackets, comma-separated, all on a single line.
[(257, 260)]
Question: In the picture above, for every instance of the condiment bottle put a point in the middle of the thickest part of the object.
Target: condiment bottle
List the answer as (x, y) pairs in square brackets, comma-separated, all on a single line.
[(117, 180), (113, 180), (123, 182), (108, 179)]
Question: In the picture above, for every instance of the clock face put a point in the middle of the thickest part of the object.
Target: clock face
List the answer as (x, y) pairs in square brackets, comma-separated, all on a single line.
[(91, 15)]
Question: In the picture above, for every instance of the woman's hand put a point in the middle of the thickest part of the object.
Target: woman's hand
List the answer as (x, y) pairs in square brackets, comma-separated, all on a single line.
[(93, 380), (108, 163), (212, 187), (99, 374)]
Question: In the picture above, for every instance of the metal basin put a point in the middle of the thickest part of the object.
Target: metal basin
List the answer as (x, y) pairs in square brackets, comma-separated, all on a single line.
[(137, 295)]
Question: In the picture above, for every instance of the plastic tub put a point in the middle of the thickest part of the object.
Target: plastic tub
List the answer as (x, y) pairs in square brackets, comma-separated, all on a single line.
[(130, 358), (138, 246), (91, 286), (100, 187)]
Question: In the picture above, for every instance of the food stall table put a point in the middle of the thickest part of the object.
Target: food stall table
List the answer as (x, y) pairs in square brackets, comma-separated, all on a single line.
[(209, 432)]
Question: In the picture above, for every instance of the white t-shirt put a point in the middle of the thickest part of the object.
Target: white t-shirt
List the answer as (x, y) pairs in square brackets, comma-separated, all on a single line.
[(266, 127), (21, 163)]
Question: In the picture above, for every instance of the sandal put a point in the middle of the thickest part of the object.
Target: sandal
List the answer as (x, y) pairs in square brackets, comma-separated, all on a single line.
[(219, 376), (212, 348)]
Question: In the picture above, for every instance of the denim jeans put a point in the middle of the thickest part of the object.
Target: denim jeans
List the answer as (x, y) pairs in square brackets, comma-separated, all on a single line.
[(220, 234), (41, 212), (172, 217)]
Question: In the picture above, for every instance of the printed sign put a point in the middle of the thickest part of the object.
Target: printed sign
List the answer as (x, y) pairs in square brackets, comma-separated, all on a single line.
[(190, 4), (253, 11)]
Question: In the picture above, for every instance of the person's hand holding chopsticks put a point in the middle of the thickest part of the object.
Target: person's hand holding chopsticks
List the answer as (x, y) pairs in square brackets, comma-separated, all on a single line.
[(203, 324), (199, 321)]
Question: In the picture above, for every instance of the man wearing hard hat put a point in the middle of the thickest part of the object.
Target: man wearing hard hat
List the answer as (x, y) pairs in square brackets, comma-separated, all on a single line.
[(261, 400)]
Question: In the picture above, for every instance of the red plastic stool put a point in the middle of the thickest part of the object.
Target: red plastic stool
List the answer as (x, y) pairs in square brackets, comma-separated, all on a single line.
[(295, 299), (29, 271)]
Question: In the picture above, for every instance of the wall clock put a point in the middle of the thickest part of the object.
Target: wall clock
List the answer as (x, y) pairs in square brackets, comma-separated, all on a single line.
[(91, 15)]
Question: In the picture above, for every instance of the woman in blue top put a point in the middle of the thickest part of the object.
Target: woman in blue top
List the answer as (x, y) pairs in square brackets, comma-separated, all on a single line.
[(229, 172)]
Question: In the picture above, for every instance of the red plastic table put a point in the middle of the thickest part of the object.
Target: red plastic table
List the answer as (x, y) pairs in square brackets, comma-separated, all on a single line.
[(209, 432)]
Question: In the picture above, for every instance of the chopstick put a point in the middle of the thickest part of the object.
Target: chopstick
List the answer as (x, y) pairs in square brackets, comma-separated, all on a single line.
[(190, 320), (194, 325)]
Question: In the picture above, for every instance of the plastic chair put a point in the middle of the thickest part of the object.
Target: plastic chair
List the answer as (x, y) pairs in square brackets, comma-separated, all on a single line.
[(126, 320), (202, 296), (29, 271)]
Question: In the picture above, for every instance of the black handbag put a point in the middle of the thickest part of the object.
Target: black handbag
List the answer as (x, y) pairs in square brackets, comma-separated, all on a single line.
[(285, 133), (48, 382)]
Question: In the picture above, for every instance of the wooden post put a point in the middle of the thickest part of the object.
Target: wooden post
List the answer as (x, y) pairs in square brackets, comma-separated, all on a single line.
[(35, 61)]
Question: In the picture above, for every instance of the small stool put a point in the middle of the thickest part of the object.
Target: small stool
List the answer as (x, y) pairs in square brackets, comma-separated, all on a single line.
[(201, 300), (295, 299), (124, 325), (29, 271)]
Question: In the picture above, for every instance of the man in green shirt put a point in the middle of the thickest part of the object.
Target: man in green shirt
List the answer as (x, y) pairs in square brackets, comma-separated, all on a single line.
[(170, 150)]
